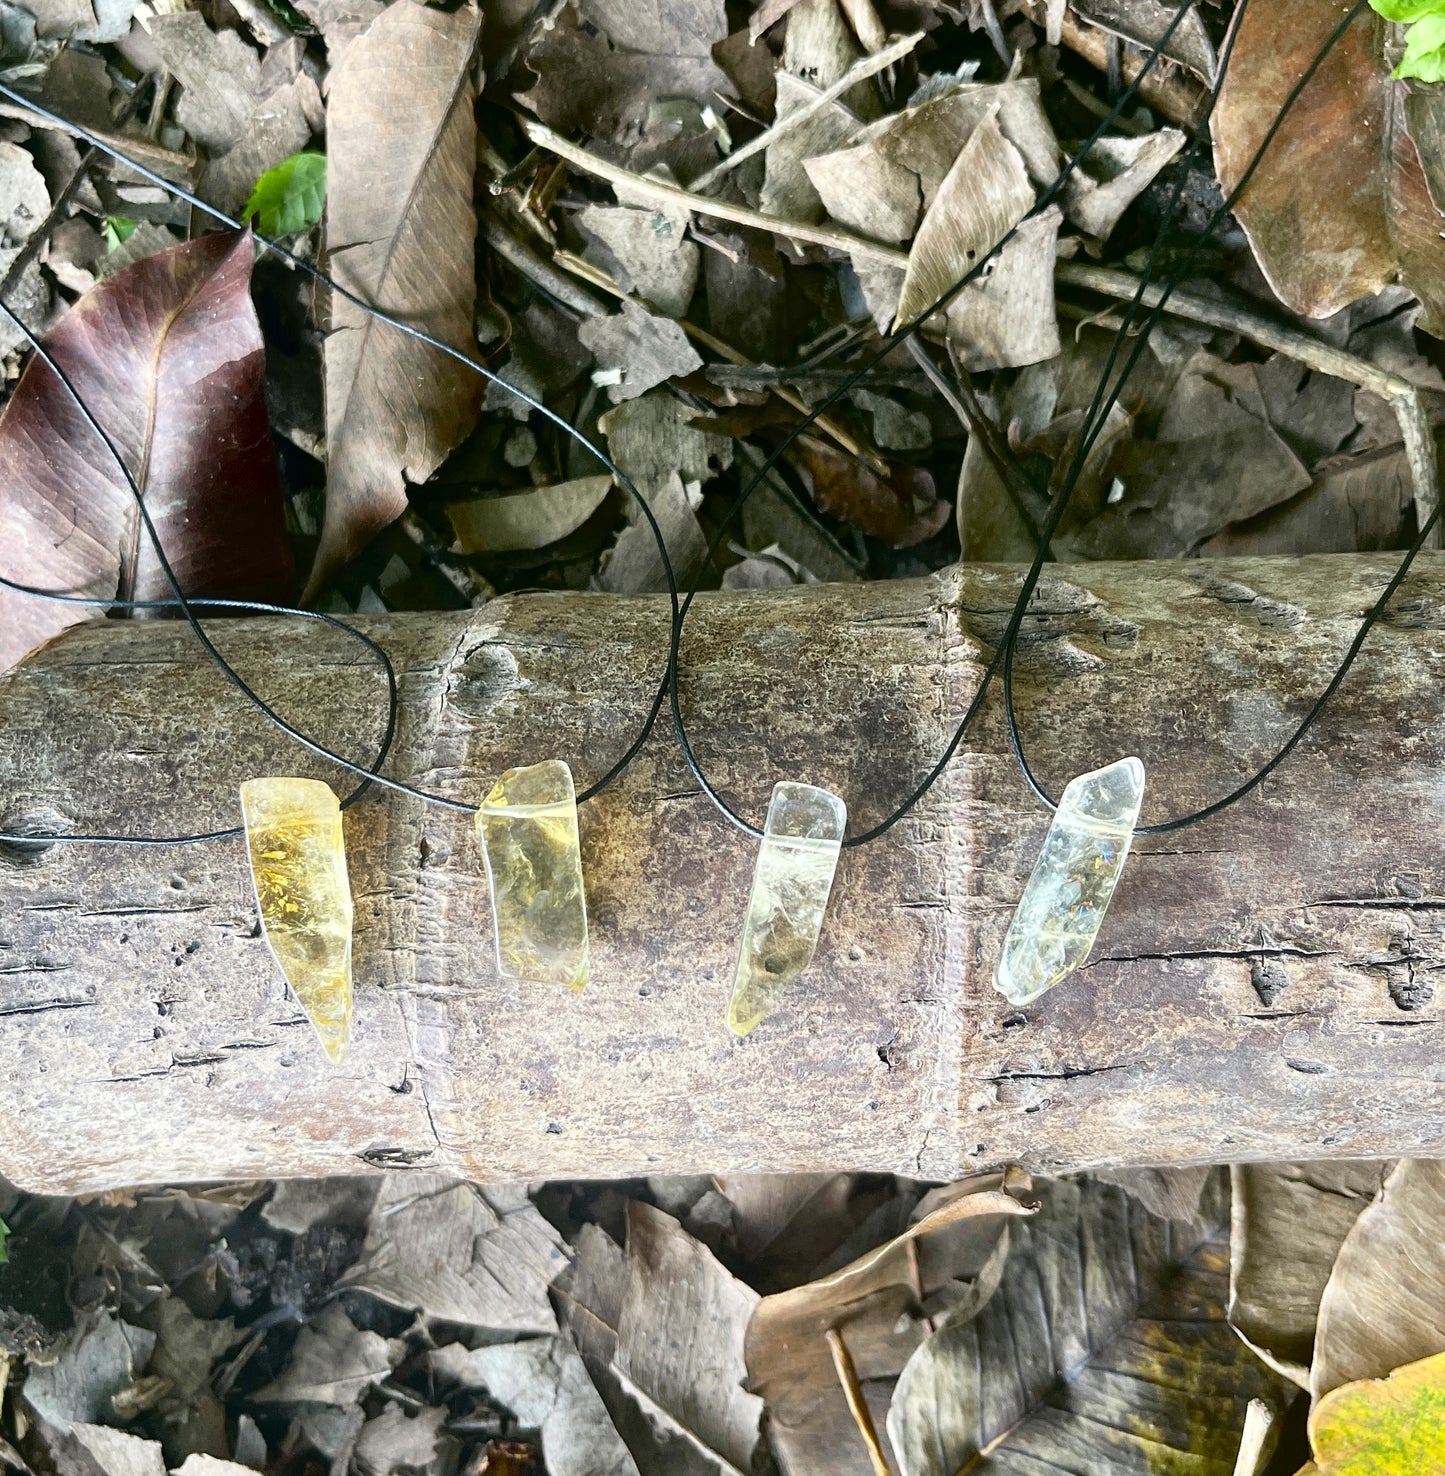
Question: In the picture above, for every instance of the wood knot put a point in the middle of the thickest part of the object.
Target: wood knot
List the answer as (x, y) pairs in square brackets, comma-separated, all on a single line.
[(486, 677)]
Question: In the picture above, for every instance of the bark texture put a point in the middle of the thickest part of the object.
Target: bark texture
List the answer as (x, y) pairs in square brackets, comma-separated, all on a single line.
[(1264, 986)]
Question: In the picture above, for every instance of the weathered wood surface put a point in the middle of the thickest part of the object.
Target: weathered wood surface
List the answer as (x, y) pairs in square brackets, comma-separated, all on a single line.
[(1264, 985)]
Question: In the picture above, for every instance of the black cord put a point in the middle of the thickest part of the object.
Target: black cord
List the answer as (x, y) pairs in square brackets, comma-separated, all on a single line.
[(890, 342), (254, 607), (1094, 423), (181, 602)]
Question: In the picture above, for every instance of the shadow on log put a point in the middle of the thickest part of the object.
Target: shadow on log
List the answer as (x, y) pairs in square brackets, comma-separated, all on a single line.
[(1264, 987)]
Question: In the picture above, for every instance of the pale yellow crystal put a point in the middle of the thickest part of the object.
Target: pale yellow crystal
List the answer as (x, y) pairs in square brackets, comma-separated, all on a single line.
[(528, 829), (298, 862), (802, 837), (1073, 881)]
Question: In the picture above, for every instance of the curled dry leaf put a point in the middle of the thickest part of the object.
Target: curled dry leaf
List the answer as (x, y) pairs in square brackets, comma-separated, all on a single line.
[(874, 1302), (1340, 203), (333, 1362), (1383, 1427), (661, 1331), (168, 355), (527, 520), (902, 511), (400, 233), (1104, 1349), (1289, 1221), (1372, 1317), (461, 1253)]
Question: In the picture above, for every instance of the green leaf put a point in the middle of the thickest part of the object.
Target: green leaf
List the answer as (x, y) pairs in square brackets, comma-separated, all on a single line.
[(1405, 11), (1383, 1427), (4, 1236), (1424, 50), (118, 228), (289, 197)]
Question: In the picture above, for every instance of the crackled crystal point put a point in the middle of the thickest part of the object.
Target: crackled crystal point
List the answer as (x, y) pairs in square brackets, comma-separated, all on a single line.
[(298, 862), (791, 883), (1073, 881), (528, 829)]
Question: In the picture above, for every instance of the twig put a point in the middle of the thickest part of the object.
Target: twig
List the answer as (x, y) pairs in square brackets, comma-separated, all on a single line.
[(867, 25), (995, 32), (179, 168), (825, 423), (1403, 397), (1179, 98), (41, 234), (533, 265), (469, 585), (818, 235), (857, 1405), (860, 71), (976, 420), (1257, 1420), (765, 376)]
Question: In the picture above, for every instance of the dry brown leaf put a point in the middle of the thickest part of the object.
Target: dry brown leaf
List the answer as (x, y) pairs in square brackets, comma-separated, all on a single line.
[(527, 520), (1145, 22), (1005, 318), (333, 1362), (637, 350), (1104, 1349), (1340, 205), (1113, 175), (1384, 1304), (218, 73), (646, 252), (1289, 1220), (1356, 504), (587, 82), (902, 511), (287, 112), (982, 197), (460, 1253), (400, 233), (873, 1302), (544, 1384), (340, 22), (169, 355), (788, 192)]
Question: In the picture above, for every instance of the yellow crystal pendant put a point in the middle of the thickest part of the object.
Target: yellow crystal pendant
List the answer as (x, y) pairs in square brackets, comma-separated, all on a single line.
[(791, 882), (1073, 881), (298, 862), (528, 829)]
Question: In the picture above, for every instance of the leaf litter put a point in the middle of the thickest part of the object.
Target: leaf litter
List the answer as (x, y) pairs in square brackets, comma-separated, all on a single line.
[(797, 1323)]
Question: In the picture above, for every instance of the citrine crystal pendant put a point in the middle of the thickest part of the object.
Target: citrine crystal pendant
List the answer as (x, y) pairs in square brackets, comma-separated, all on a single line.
[(1073, 881), (528, 829), (794, 875), (298, 862)]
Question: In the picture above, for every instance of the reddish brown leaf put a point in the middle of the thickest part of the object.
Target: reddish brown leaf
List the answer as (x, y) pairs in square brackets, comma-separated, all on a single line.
[(168, 356), (1339, 205), (902, 511)]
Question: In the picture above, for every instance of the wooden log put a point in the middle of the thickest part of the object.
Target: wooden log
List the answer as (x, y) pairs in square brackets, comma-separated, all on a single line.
[(1264, 986)]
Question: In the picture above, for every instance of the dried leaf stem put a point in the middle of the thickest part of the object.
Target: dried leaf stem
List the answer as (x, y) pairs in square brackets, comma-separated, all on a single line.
[(1324, 358), (59, 211), (1257, 1421), (857, 1404), (860, 71), (833, 237)]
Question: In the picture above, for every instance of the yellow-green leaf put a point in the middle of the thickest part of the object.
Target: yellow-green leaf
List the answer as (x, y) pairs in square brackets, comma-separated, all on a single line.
[(290, 197), (1383, 1427)]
